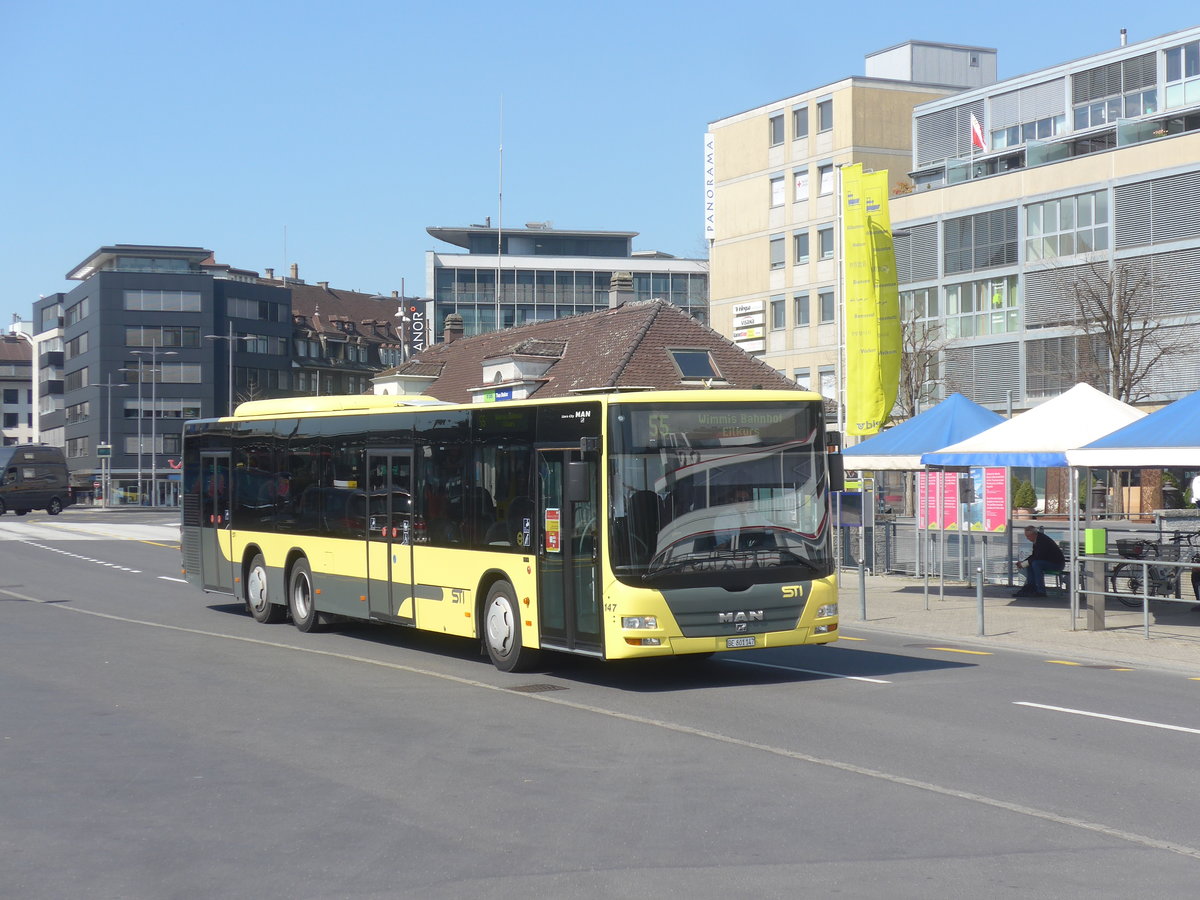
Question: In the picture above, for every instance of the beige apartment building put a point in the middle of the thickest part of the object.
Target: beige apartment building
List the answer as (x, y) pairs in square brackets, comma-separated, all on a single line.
[(771, 213)]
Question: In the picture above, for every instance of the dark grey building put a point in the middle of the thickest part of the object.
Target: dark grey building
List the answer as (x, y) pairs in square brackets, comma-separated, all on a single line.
[(154, 335)]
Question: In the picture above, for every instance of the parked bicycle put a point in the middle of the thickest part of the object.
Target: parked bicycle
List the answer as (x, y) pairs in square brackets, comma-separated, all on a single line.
[(1126, 580)]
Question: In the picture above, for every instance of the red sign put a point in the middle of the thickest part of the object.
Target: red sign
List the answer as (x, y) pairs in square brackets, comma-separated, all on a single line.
[(552, 532)]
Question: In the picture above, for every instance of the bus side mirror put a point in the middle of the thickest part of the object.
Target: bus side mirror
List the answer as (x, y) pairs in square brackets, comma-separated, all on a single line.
[(837, 472), (579, 488)]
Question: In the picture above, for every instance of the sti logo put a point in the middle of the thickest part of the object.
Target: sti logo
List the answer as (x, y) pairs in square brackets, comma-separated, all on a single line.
[(792, 591)]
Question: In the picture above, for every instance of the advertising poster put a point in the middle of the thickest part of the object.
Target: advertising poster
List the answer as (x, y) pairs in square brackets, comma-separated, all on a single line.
[(929, 496), (989, 512)]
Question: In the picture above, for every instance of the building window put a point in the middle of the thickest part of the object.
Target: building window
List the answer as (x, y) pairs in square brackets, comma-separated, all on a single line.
[(777, 191), (800, 185), (163, 301), (162, 336), (77, 448), (800, 247), (78, 412), (778, 313), (1183, 75), (825, 242), (825, 179), (800, 309), (1066, 226), (980, 308), (75, 346), (803, 378), (11, 395), (828, 382), (919, 304), (827, 305), (1124, 89), (799, 122), (694, 364), (778, 253), (981, 241), (1039, 130), (262, 310), (825, 116), (77, 312), (76, 380), (775, 129)]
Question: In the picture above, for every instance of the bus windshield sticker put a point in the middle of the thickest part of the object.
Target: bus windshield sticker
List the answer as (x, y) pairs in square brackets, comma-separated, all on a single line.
[(552, 533)]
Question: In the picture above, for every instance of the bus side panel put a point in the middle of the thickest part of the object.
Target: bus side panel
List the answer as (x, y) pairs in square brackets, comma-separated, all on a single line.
[(447, 581)]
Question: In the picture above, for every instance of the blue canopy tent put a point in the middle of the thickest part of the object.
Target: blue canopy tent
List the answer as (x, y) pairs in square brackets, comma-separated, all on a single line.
[(1168, 437), (954, 419)]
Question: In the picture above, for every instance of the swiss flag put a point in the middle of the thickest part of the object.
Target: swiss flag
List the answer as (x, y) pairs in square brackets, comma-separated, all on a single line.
[(977, 138)]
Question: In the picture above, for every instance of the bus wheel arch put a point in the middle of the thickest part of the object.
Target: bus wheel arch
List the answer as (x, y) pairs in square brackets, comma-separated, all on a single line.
[(256, 588), (501, 627), (301, 595)]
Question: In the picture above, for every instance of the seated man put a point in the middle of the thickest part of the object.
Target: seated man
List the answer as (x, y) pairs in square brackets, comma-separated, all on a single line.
[(1046, 557)]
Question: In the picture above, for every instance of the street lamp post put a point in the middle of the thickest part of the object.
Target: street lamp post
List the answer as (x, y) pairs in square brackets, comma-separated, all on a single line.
[(231, 338), (154, 375), (106, 481)]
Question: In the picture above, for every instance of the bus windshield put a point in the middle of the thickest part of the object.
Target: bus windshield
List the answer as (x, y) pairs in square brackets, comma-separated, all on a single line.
[(708, 494)]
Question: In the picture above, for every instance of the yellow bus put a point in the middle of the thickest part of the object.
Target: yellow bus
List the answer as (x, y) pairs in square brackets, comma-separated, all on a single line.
[(621, 525)]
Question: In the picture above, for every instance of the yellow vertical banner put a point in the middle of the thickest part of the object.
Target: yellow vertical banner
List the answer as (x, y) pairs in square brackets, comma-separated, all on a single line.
[(871, 301)]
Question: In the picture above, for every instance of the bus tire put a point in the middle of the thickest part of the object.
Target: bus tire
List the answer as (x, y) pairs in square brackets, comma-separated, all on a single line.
[(55, 506), (502, 630), (302, 598), (258, 600)]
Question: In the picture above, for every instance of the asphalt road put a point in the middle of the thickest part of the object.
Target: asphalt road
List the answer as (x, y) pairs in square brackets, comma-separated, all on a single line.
[(156, 742)]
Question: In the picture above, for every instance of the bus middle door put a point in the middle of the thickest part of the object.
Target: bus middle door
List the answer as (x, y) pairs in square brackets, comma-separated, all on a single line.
[(569, 604), (390, 535)]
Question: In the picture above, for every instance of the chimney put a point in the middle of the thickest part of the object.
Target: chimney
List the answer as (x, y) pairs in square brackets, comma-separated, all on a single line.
[(454, 328), (295, 272), (620, 289), (1124, 37), (324, 285), (270, 274)]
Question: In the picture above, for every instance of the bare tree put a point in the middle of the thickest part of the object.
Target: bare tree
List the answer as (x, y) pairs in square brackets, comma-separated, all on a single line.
[(921, 345), (1122, 324)]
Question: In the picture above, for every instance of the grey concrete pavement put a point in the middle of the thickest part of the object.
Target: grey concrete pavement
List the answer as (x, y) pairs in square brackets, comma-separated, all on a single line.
[(901, 605)]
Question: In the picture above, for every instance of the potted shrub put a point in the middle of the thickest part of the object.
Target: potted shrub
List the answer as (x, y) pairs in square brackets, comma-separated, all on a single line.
[(1025, 498)]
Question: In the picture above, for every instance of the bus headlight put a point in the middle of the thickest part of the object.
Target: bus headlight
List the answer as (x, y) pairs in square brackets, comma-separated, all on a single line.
[(639, 621), (829, 609)]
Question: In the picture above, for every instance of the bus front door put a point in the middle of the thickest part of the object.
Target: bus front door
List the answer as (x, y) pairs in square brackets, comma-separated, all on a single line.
[(216, 539), (569, 605), (390, 535)]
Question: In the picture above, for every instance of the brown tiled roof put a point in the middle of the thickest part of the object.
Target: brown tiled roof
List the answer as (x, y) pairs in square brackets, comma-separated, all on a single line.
[(621, 347), (323, 307), (15, 349)]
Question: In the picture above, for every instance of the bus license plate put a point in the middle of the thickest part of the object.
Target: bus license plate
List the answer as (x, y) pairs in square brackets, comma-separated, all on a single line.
[(739, 642)]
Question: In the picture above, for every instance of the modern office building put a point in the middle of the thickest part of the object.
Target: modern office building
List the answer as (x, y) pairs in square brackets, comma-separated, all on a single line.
[(1089, 180), (155, 335), (771, 197), (546, 273)]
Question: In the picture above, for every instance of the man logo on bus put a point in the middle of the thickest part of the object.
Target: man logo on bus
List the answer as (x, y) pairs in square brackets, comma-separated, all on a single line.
[(747, 615)]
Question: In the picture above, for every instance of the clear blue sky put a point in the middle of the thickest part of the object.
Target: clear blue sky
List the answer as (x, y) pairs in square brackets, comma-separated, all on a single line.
[(354, 125)]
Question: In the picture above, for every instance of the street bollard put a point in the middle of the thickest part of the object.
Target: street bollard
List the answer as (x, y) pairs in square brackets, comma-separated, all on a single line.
[(862, 586), (979, 595)]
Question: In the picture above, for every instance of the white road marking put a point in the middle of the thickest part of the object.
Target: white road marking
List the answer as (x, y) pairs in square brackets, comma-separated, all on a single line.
[(763, 665), (677, 728), (169, 578), (1096, 715)]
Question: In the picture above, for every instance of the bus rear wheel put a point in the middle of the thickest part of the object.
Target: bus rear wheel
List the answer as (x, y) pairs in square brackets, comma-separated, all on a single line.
[(502, 631), (258, 600), (301, 598)]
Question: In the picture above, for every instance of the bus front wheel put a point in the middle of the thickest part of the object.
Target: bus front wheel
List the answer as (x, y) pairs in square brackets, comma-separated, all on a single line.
[(301, 597), (258, 600), (502, 630)]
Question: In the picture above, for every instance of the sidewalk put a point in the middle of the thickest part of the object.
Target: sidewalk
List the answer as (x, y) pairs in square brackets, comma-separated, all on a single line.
[(897, 604)]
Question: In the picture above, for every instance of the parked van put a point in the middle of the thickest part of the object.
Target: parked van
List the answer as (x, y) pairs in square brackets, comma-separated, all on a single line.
[(33, 476)]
